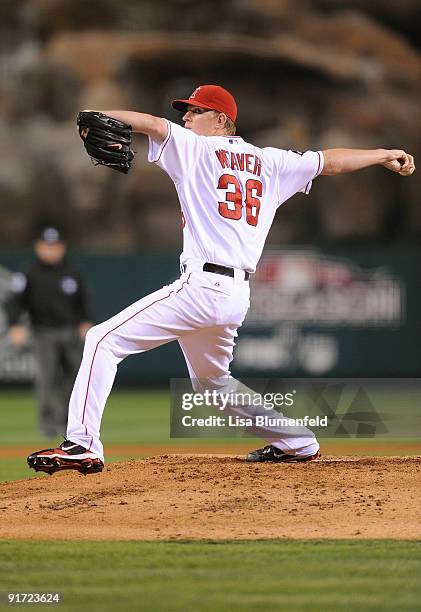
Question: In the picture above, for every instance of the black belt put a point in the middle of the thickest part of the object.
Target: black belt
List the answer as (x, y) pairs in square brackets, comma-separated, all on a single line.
[(210, 267)]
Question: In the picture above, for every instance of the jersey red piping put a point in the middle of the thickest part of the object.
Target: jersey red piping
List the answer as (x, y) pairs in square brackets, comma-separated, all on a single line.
[(164, 144), (317, 173), (319, 164)]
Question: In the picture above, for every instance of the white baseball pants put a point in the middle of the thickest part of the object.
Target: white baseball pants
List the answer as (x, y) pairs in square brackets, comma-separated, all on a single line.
[(201, 310)]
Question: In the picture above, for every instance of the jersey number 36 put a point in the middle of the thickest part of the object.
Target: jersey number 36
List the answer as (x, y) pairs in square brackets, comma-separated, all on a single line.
[(232, 208)]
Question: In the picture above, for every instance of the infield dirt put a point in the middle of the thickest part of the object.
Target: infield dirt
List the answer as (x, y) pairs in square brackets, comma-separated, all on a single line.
[(211, 496)]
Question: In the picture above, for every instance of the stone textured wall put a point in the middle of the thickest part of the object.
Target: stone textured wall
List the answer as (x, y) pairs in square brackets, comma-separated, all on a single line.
[(307, 74)]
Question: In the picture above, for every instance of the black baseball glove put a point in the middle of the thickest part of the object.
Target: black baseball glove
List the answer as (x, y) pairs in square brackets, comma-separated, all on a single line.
[(106, 140)]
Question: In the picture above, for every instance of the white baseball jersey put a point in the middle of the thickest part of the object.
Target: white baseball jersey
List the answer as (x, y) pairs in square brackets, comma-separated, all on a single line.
[(229, 191)]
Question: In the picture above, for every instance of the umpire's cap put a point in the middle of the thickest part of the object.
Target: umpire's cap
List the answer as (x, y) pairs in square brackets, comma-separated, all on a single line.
[(211, 97), (50, 235)]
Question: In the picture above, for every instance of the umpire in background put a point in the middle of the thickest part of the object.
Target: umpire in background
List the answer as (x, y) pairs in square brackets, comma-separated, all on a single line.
[(53, 295)]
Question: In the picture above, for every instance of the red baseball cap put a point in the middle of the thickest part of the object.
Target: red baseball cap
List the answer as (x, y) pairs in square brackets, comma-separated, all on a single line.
[(211, 97)]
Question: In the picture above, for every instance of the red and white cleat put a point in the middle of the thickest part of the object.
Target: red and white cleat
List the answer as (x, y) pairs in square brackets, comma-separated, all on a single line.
[(68, 456)]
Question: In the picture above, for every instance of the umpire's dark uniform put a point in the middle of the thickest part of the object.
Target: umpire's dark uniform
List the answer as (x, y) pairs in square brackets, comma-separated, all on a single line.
[(53, 294)]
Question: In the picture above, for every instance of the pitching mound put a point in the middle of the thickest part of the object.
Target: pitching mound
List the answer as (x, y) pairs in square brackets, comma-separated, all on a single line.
[(208, 496)]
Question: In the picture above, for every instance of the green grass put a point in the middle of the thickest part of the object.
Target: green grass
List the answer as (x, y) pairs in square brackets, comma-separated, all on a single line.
[(225, 576), (130, 417), (14, 469)]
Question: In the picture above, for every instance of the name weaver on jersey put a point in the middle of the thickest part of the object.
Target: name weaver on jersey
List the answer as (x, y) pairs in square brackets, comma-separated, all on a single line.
[(246, 162), (229, 192)]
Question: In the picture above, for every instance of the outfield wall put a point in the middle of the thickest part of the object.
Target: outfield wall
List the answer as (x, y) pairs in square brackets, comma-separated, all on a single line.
[(340, 313)]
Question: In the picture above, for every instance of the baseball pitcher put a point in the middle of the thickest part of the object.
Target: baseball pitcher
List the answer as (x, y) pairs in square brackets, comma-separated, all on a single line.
[(229, 192)]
